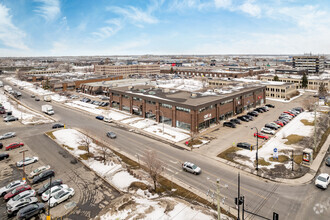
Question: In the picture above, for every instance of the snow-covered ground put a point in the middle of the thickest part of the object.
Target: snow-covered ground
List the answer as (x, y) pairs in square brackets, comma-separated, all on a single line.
[(295, 126), (146, 205), (182, 84), (25, 115)]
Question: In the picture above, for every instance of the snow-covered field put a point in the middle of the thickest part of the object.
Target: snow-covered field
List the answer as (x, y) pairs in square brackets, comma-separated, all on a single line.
[(25, 115), (146, 205), (295, 126)]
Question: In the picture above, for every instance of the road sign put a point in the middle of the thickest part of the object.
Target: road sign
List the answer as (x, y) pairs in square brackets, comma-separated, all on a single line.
[(275, 154)]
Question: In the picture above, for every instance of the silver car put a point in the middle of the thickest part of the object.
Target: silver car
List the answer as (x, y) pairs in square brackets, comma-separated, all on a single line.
[(38, 171), (27, 161), (16, 206), (13, 185), (22, 195), (10, 118), (7, 135)]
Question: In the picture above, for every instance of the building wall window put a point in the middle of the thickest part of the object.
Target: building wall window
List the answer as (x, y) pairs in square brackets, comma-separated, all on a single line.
[(167, 121), (182, 109), (165, 105), (183, 125), (225, 102), (115, 94), (137, 99), (151, 102)]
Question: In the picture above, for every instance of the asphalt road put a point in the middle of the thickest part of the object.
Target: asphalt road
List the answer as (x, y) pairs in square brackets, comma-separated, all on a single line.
[(262, 197)]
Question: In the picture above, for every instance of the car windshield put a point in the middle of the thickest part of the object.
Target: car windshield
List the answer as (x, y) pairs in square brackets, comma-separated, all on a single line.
[(321, 178), (58, 195), (17, 197), (194, 167), (36, 170)]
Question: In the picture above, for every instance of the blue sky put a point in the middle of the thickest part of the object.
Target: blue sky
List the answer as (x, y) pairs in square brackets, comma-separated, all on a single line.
[(135, 27)]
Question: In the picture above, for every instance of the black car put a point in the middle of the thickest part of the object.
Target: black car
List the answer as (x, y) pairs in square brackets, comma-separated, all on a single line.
[(111, 135), (58, 126), (31, 210), (284, 121), (235, 120), (300, 109), (253, 113), (260, 110), (271, 126), (243, 118), (4, 156), (99, 117), (1, 145), (264, 108), (229, 124), (45, 187), (327, 161), (43, 176), (249, 117), (244, 145), (270, 105)]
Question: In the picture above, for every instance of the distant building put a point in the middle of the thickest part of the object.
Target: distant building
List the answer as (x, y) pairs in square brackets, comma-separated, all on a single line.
[(295, 71), (314, 64), (126, 70)]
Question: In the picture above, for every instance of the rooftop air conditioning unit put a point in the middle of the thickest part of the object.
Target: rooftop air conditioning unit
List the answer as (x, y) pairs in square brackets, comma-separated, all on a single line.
[(166, 90), (130, 87), (193, 95)]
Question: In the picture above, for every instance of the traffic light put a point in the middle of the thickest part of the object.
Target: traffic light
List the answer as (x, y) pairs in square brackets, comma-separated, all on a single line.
[(275, 216), (251, 147), (240, 201)]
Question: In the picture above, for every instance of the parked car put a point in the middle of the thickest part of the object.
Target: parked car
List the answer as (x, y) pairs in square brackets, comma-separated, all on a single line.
[(229, 124), (16, 206), (235, 120), (300, 109), (43, 176), (276, 125), (38, 171), (190, 167), (270, 105), (27, 161), (47, 186), (285, 116), (14, 145), (52, 191), (58, 125), (284, 120), (10, 118), (99, 117), (1, 145), (9, 187), (111, 134), (271, 126), (261, 135), (61, 196), (243, 118), (279, 123), (289, 113), (37, 99), (327, 161), (322, 180), (249, 117), (33, 96), (16, 191), (22, 195), (264, 108), (260, 110), (4, 156), (244, 145), (253, 113), (267, 130), (31, 210)]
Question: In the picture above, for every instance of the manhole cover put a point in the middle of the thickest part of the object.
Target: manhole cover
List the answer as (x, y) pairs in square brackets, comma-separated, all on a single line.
[(70, 205)]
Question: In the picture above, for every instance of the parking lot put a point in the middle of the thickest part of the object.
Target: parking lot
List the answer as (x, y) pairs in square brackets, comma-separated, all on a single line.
[(92, 194), (225, 137)]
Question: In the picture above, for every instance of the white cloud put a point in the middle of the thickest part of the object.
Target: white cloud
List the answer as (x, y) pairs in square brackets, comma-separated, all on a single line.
[(134, 15), (49, 9), (107, 31), (187, 4), (222, 3), (250, 8), (10, 35)]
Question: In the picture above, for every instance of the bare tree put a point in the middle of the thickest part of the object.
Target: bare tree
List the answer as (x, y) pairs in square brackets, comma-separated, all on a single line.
[(85, 141), (20, 75), (154, 166), (309, 104)]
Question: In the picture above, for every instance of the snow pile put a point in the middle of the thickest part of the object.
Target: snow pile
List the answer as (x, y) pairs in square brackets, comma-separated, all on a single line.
[(29, 86), (170, 133), (143, 123), (189, 85), (59, 98), (295, 126)]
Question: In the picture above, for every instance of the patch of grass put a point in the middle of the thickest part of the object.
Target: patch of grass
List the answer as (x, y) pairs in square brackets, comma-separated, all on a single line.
[(138, 185), (50, 134), (323, 139), (307, 123), (262, 162), (297, 159), (82, 148), (194, 142), (229, 153), (293, 139), (86, 156), (281, 159), (67, 147)]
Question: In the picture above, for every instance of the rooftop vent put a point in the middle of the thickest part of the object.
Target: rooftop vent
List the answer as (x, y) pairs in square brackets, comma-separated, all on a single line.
[(193, 95), (151, 93), (166, 90), (130, 87)]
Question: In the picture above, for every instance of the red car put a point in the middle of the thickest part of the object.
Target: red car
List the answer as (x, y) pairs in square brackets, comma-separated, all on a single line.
[(261, 135), (289, 113), (14, 145), (279, 123), (17, 191)]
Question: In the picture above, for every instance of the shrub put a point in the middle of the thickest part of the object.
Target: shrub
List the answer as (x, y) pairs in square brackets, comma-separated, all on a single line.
[(293, 139)]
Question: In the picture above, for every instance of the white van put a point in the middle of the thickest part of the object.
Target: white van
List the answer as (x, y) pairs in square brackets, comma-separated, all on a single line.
[(107, 119)]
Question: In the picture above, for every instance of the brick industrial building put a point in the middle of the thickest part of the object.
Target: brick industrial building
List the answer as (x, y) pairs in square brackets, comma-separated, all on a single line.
[(186, 110), (126, 70)]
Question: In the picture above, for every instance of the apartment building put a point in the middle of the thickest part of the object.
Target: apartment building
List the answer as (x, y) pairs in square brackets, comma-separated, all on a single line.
[(314, 64), (126, 70)]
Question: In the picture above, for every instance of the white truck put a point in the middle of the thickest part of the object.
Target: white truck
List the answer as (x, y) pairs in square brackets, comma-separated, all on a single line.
[(47, 98), (1, 84), (48, 109), (8, 88)]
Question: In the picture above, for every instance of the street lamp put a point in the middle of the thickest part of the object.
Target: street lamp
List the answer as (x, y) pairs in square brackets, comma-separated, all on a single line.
[(50, 192), (257, 147), (23, 163), (162, 118)]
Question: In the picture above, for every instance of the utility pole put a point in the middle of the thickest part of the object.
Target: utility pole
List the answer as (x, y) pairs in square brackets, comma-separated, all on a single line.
[(50, 192), (218, 193), (243, 208), (238, 185), (315, 126), (292, 159), (23, 163)]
